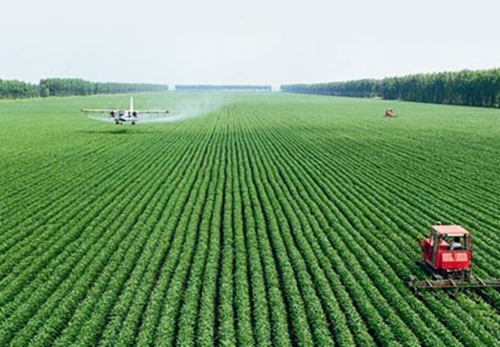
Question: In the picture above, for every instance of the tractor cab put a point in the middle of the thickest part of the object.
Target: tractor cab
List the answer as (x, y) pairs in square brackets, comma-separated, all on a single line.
[(447, 251), (447, 254)]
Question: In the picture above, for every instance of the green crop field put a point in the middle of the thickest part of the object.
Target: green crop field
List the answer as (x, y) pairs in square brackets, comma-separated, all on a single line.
[(271, 220)]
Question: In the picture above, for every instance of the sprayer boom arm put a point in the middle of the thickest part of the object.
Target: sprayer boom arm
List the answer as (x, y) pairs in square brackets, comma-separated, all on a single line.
[(473, 283)]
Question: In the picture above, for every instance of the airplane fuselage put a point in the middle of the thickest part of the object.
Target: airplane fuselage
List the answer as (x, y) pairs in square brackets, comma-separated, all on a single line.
[(126, 116)]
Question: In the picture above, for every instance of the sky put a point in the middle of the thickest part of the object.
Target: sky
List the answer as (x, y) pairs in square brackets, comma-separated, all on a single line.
[(244, 42)]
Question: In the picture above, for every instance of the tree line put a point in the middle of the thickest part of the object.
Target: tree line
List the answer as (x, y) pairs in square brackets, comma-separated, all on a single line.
[(14, 89), (466, 87), (208, 87)]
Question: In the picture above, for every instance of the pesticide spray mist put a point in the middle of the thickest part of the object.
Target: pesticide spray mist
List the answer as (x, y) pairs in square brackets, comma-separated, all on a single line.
[(181, 108)]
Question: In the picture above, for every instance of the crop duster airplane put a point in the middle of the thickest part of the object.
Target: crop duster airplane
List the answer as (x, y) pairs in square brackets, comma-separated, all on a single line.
[(123, 116)]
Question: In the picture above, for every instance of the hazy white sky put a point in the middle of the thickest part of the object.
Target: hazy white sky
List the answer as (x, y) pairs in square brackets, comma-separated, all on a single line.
[(244, 42)]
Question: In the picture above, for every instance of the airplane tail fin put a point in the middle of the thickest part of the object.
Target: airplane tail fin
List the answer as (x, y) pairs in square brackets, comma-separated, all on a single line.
[(131, 103)]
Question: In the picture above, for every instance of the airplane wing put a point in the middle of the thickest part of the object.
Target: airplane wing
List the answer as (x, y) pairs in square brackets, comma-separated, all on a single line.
[(152, 111), (86, 110)]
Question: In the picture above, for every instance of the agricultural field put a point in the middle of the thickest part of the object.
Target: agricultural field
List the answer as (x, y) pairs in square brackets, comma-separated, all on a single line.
[(268, 220)]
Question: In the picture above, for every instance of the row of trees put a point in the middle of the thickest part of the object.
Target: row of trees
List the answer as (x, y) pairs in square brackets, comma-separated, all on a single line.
[(471, 88), (14, 89), (365, 88), (208, 87)]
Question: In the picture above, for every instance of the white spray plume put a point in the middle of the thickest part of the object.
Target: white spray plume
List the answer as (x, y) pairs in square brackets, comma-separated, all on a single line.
[(167, 119), (188, 106), (102, 119)]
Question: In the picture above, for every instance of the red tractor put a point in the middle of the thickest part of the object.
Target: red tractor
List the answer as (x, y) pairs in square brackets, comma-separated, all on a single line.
[(447, 254)]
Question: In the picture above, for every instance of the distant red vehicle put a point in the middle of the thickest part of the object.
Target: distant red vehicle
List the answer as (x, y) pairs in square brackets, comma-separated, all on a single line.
[(447, 255), (389, 113)]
